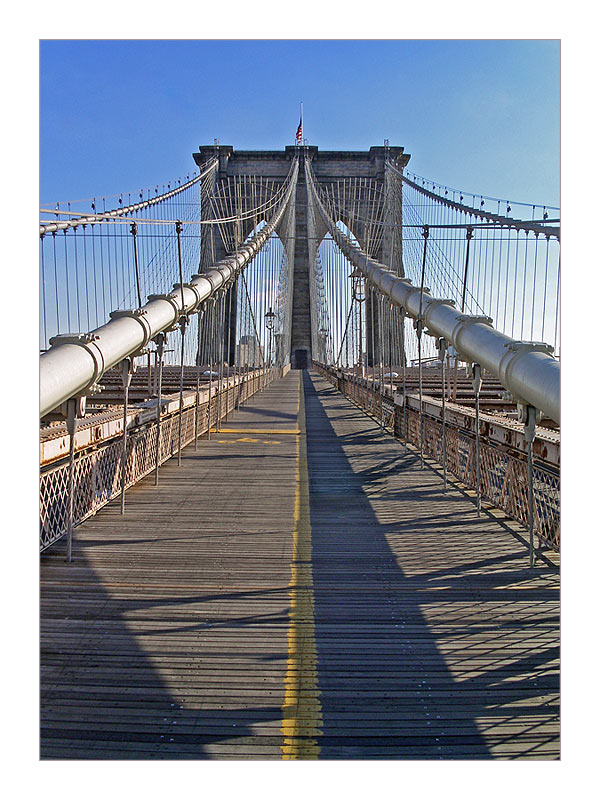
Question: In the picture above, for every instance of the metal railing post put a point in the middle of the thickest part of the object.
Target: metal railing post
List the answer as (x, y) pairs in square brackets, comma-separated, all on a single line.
[(402, 313), (476, 378), (127, 368), (198, 359), (160, 340), (442, 347), (419, 328), (75, 409), (210, 366), (182, 326), (528, 415)]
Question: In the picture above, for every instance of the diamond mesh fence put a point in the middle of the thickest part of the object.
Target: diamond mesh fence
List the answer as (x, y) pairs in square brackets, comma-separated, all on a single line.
[(97, 471), (503, 474)]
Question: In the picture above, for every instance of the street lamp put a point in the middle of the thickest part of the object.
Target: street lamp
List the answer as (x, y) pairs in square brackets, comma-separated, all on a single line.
[(270, 318), (359, 294)]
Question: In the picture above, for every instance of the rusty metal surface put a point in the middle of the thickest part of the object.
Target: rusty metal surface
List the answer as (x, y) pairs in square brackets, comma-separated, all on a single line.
[(499, 428), (101, 427)]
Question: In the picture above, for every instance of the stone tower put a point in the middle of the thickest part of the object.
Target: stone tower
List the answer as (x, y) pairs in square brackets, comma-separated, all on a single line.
[(371, 197)]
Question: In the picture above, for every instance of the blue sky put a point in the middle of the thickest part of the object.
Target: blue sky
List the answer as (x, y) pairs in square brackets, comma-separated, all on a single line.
[(482, 116)]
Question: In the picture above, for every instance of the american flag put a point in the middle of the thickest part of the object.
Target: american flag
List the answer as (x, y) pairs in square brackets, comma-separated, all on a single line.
[(299, 131)]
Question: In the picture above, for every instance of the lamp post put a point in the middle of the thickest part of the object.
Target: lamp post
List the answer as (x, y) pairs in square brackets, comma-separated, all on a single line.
[(359, 294), (270, 318)]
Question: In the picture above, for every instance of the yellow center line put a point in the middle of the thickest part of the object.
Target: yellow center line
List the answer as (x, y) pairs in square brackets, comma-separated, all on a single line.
[(302, 717), (259, 431), (247, 439)]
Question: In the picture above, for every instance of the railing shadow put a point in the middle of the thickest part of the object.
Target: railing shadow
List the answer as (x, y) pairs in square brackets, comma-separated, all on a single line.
[(386, 688), (103, 694), (122, 643), (120, 661)]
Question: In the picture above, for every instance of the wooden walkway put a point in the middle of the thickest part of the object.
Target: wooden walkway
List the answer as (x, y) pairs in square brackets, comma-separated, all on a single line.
[(285, 595)]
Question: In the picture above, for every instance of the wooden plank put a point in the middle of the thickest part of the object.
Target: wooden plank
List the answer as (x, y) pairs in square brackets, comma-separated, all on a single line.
[(168, 635)]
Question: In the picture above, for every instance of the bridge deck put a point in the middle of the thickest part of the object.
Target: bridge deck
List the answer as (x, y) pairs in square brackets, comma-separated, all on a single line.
[(199, 626)]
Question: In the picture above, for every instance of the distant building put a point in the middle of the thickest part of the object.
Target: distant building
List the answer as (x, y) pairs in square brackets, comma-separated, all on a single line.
[(249, 351)]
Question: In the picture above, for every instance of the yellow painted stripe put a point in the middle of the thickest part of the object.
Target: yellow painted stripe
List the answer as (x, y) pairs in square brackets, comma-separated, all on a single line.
[(302, 718), (258, 431)]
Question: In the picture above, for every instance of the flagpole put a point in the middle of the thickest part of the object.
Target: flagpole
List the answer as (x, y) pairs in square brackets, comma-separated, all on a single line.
[(300, 131)]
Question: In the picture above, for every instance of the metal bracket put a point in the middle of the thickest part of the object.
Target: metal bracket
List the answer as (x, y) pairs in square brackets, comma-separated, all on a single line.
[(530, 347), (85, 340), (72, 409), (227, 271), (472, 318), (464, 320), (516, 349), (143, 351), (94, 388), (436, 301), (127, 366), (418, 325), (194, 289), (206, 277), (529, 416), (432, 302), (138, 315), (128, 312), (73, 338), (169, 299), (474, 372)]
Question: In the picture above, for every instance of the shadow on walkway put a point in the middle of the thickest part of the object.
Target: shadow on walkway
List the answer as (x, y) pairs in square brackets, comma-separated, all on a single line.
[(386, 688)]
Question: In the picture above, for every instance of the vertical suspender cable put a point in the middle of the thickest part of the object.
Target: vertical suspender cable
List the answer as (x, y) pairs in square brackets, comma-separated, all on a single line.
[(537, 237), (134, 231), (56, 282), (464, 290), (545, 287), (419, 328), (67, 287), (43, 265)]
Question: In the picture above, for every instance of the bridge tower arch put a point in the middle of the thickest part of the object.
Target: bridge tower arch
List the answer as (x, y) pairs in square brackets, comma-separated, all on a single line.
[(361, 174)]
